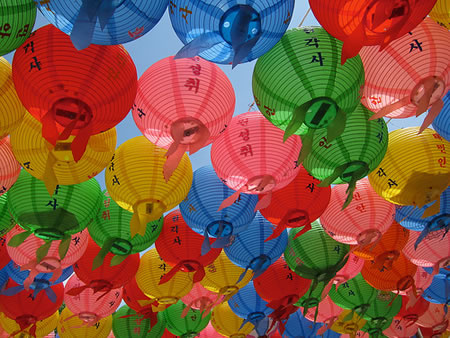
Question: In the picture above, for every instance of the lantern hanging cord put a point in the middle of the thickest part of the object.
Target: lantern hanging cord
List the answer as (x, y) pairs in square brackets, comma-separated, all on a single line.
[(304, 18)]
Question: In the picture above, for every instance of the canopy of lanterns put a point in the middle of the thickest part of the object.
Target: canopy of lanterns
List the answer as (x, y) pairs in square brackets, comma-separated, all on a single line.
[(311, 219)]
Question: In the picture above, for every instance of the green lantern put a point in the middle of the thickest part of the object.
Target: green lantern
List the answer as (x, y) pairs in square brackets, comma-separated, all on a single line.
[(17, 19), (383, 308), (351, 156), (188, 326), (6, 221), (111, 230), (302, 88), (375, 328), (311, 298), (127, 323), (68, 211)]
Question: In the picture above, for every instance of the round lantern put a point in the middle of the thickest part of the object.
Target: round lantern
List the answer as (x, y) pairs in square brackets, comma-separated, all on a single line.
[(249, 305), (439, 291), (111, 230), (70, 326), (82, 93), (375, 328), (399, 328), (250, 157), (183, 105), (352, 155), (151, 269), (384, 307), (442, 121), (11, 109), (441, 13), (27, 309), (409, 313), (298, 204), (311, 299), (348, 323), (328, 314), (424, 178), (188, 326), (43, 327), (88, 306), (6, 220), (17, 17), (249, 249), (200, 299), (200, 209), (225, 32), (408, 93), (103, 23), (435, 318), (299, 326), (361, 23), (57, 166), (422, 281), (301, 88), (9, 167), (224, 277), (128, 183), (210, 332), (226, 323), (126, 323), (41, 256)]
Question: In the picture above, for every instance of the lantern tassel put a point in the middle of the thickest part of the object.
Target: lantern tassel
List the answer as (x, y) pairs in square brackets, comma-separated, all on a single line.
[(432, 209), (231, 199), (432, 114), (353, 43), (186, 309), (307, 141), (298, 117), (277, 231), (306, 228), (206, 245), (199, 44), (173, 160), (390, 108), (50, 177), (264, 202), (337, 126), (412, 298), (49, 292), (80, 142), (99, 259), (327, 324)]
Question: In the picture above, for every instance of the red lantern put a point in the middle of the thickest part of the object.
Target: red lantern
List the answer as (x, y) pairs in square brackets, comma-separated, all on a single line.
[(26, 308), (80, 93), (435, 319), (9, 167), (98, 270), (181, 247), (297, 204), (359, 23), (411, 311)]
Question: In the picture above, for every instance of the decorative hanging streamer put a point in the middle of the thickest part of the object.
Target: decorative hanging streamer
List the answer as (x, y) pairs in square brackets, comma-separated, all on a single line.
[(258, 265), (16, 289), (200, 44), (35, 267), (24, 323), (99, 259), (50, 180), (283, 309), (327, 324), (191, 266), (206, 306), (261, 324), (97, 286), (287, 219), (433, 226), (139, 220), (220, 242), (86, 323)]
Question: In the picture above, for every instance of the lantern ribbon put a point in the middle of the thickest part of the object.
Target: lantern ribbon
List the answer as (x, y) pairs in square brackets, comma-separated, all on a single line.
[(25, 321), (199, 44), (83, 28), (337, 281), (145, 315), (287, 218), (258, 265), (429, 228), (16, 289), (198, 275), (386, 259), (206, 305), (96, 285), (261, 324), (32, 266), (327, 324), (50, 179), (283, 308), (220, 242), (84, 323), (413, 297), (99, 259)]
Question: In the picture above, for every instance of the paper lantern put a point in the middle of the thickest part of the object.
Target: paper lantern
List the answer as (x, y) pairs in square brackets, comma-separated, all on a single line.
[(78, 95), (70, 326), (311, 299), (200, 299), (348, 323), (424, 178), (126, 323), (222, 277), (441, 13), (384, 306), (6, 220), (43, 327), (297, 204), (57, 166), (328, 314), (128, 184), (151, 269), (247, 304), (200, 209), (41, 256), (359, 23), (250, 157), (225, 32), (376, 327), (249, 249), (183, 105), (9, 167), (434, 318), (408, 93), (181, 247), (189, 326), (118, 22), (88, 306), (18, 17), (4, 256), (27, 309), (352, 155), (399, 328), (297, 325), (210, 332), (412, 310), (442, 121), (439, 291), (11, 109), (422, 281), (226, 323), (301, 88)]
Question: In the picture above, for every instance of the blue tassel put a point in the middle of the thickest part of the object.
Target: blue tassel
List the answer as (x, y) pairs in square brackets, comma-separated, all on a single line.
[(199, 45)]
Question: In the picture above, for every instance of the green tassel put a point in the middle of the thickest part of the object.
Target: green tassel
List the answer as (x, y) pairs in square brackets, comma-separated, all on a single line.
[(330, 179), (298, 117), (19, 239), (307, 141), (98, 260), (337, 126), (64, 247), (43, 251), (117, 259)]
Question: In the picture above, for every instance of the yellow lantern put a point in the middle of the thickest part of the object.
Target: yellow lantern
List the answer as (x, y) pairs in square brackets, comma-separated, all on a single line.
[(55, 165), (441, 13), (43, 327), (414, 170), (11, 109), (151, 269), (228, 324), (135, 180), (221, 277), (348, 322), (70, 326)]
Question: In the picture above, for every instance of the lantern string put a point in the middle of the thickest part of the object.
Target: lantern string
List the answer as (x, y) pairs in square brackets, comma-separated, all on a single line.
[(304, 18)]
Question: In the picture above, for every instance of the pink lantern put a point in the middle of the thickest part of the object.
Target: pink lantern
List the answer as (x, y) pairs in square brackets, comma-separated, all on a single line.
[(365, 219), (251, 157), (412, 309), (25, 254), (87, 305), (183, 105), (400, 329), (9, 167), (328, 314), (201, 299), (410, 75), (435, 318), (209, 332), (433, 250)]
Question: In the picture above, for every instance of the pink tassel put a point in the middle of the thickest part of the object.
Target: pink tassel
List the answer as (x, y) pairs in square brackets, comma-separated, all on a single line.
[(264, 202), (432, 114), (231, 199), (390, 108)]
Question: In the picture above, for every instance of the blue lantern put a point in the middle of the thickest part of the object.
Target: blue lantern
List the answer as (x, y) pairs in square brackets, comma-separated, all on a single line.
[(249, 305), (249, 249), (298, 326), (439, 290), (103, 22), (3, 278), (223, 31), (200, 209), (442, 122), (411, 218)]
